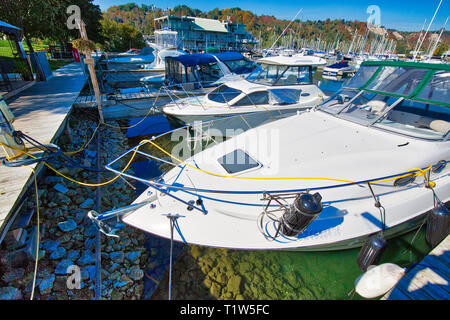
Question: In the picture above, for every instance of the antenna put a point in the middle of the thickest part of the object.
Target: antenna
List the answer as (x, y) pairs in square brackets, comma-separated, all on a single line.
[(286, 28), (437, 40), (428, 29)]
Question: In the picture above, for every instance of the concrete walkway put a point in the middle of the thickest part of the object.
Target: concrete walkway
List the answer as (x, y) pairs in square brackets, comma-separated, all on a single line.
[(41, 112)]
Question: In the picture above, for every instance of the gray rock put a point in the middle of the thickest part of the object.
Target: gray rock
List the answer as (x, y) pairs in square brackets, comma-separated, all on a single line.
[(10, 293), (86, 258), (59, 253), (63, 265), (87, 204), (73, 255), (50, 245), (133, 256), (117, 256), (13, 275), (68, 225), (46, 285), (136, 273), (60, 188)]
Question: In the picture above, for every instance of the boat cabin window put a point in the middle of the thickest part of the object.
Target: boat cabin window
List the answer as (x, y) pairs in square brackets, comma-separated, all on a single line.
[(284, 96), (278, 75), (240, 66), (417, 119), (253, 99), (237, 161), (398, 80), (223, 94)]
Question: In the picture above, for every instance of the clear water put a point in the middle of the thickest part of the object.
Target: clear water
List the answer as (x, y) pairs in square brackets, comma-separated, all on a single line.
[(211, 273)]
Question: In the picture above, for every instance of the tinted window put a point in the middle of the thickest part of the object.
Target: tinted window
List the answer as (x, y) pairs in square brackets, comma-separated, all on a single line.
[(223, 94), (255, 98)]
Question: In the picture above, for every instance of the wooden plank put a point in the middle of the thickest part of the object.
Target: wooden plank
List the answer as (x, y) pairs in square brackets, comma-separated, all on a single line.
[(41, 111)]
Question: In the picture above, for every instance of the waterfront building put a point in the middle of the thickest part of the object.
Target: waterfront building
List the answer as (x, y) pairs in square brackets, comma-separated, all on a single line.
[(198, 34)]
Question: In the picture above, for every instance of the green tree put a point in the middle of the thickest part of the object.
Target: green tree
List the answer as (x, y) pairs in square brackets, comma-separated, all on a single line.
[(120, 36)]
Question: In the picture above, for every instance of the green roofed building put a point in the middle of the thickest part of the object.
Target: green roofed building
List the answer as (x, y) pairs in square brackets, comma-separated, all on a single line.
[(198, 34)]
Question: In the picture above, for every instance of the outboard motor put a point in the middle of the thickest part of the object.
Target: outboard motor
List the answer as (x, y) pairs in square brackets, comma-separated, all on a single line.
[(438, 224), (302, 212), (371, 251)]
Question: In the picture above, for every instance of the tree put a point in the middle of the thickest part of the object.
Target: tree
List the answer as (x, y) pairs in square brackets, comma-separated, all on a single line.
[(120, 36), (442, 47), (48, 18)]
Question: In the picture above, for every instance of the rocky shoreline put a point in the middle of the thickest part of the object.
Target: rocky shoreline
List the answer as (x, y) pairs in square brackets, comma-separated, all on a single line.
[(67, 234)]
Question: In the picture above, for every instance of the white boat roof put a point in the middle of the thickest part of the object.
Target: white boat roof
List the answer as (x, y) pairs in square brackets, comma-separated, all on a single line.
[(294, 61)]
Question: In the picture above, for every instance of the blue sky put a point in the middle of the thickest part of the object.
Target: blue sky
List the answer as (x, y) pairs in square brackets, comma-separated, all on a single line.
[(404, 15)]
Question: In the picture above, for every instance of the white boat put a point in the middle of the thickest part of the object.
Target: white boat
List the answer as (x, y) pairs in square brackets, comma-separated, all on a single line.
[(376, 152), (339, 69), (281, 83), (159, 65)]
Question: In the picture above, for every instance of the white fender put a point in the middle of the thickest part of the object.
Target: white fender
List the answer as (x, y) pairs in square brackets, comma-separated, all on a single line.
[(378, 280)]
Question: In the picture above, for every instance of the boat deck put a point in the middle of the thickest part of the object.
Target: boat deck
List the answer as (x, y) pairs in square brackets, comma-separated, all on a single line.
[(41, 112), (428, 280)]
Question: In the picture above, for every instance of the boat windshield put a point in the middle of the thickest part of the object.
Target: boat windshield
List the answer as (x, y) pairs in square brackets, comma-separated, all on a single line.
[(279, 75), (240, 66), (390, 101)]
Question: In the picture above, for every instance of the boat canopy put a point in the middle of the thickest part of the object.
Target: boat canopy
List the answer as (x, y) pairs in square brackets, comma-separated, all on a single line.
[(422, 82), (293, 61), (206, 67)]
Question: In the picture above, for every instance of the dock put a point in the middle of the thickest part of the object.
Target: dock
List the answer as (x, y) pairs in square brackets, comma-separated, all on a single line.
[(41, 112), (428, 280)]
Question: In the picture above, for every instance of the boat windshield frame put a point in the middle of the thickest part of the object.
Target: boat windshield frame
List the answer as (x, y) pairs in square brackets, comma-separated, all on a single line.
[(264, 68), (377, 108)]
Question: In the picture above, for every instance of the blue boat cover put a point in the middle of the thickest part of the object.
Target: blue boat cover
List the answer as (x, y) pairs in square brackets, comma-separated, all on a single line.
[(10, 30), (190, 60), (228, 56), (339, 65)]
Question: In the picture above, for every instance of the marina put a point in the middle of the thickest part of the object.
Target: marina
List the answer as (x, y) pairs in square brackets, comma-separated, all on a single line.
[(205, 161)]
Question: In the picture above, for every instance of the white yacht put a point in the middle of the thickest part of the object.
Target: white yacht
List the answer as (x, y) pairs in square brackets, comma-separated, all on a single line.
[(281, 83), (372, 157)]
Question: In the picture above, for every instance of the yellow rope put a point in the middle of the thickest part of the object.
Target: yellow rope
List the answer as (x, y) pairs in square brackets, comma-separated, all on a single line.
[(69, 153), (135, 125), (75, 181), (419, 173)]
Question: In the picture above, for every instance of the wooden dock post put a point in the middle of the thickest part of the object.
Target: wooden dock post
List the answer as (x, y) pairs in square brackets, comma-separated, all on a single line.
[(90, 62)]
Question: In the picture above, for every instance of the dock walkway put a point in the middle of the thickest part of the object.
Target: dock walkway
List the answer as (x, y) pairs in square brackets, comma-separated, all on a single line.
[(41, 112), (428, 280)]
